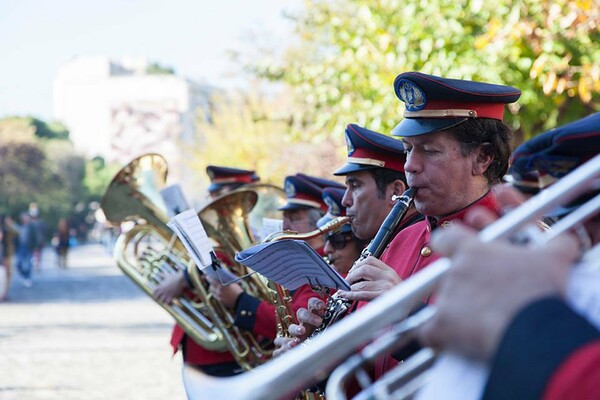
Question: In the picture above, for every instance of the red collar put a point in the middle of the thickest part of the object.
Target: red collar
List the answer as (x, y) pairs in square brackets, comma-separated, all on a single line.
[(321, 251)]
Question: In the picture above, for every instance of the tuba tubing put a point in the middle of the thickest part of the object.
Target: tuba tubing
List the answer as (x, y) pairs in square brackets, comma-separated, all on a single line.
[(302, 366), (197, 325)]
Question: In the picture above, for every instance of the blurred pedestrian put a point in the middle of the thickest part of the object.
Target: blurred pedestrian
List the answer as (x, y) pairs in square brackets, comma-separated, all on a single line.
[(40, 231), (3, 270), (62, 241), (8, 245), (27, 243)]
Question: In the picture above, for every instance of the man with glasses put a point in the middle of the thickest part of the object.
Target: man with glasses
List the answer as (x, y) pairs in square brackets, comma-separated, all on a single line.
[(304, 207), (374, 173), (342, 248)]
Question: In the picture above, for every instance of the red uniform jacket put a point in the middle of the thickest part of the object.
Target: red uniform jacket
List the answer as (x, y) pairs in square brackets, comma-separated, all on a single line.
[(194, 353), (409, 252)]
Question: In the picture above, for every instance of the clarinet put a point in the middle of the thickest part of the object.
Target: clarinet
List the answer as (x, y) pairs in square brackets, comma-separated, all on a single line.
[(336, 307)]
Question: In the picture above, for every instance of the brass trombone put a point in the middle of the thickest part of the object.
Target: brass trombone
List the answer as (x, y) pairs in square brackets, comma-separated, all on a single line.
[(302, 366)]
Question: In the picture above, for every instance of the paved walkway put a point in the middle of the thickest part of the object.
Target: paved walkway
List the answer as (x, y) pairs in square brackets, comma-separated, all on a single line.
[(86, 332)]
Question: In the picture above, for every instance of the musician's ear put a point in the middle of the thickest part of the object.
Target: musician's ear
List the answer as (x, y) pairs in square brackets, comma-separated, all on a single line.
[(482, 160), (399, 187)]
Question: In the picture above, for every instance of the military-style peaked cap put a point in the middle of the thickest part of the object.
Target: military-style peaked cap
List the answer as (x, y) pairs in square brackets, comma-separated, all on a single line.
[(368, 150), (434, 103), (304, 191), (332, 197), (549, 156), (221, 176)]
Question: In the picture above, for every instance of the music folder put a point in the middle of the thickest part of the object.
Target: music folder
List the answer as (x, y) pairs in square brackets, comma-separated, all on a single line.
[(191, 232), (291, 263), (174, 200)]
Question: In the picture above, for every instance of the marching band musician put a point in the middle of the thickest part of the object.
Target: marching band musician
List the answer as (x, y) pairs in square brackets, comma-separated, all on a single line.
[(457, 147), (374, 172), (342, 248), (223, 180), (304, 207), (541, 340)]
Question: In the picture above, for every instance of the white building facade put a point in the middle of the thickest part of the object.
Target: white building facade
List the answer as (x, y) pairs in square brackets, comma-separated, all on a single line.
[(114, 109)]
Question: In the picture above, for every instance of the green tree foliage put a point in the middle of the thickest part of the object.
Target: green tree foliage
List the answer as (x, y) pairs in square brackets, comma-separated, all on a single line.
[(348, 53), (20, 175), (157, 69), (38, 164), (98, 176), (26, 128), (243, 130)]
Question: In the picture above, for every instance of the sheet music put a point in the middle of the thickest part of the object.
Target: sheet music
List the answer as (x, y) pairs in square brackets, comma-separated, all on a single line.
[(291, 263), (174, 200), (189, 229), (270, 226)]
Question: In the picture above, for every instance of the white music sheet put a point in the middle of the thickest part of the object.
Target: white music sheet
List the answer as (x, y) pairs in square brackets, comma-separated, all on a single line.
[(174, 200), (291, 263), (191, 232)]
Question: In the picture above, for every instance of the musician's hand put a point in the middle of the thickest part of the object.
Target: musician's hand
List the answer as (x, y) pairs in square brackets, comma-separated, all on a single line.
[(488, 284), (283, 344), (309, 319), (368, 279), (226, 294), (170, 288)]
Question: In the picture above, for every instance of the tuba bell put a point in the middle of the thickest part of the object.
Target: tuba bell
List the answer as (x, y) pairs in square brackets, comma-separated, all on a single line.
[(232, 221)]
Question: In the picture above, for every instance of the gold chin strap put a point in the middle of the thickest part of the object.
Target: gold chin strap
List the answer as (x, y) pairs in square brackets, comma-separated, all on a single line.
[(366, 161), (440, 113)]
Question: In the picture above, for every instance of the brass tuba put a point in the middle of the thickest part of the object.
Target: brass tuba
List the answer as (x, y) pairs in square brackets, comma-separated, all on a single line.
[(227, 220), (149, 251)]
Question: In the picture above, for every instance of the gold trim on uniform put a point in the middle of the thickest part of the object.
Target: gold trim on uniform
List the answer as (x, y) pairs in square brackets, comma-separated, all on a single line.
[(366, 161), (305, 202), (440, 113), (426, 251)]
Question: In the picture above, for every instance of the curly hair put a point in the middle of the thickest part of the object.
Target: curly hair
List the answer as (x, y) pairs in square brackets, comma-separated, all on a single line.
[(491, 135)]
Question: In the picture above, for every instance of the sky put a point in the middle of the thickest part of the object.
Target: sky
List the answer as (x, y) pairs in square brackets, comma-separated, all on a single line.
[(193, 36)]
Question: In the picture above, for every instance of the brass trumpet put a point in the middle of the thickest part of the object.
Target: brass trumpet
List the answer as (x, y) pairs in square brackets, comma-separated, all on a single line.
[(302, 366)]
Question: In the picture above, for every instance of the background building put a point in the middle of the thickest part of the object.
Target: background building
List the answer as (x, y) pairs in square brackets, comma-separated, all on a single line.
[(121, 109)]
